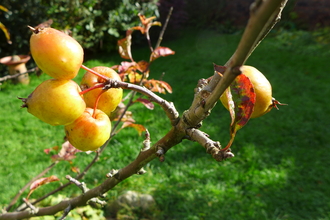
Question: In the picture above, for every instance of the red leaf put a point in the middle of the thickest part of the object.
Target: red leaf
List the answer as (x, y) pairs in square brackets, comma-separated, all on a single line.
[(157, 86), (124, 46), (161, 52), (39, 182), (138, 127), (147, 103), (218, 68), (241, 100)]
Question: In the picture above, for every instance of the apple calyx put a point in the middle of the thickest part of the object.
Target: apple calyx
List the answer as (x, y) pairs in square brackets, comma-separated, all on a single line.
[(275, 103)]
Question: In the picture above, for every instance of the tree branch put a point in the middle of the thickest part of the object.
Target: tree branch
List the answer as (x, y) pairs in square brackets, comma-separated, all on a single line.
[(168, 107)]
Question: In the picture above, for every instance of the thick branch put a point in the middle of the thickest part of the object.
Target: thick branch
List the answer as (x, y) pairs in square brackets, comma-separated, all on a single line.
[(172, 138)]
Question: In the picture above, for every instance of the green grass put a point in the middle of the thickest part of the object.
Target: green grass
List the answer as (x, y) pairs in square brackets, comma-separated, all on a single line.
[(280, 169)]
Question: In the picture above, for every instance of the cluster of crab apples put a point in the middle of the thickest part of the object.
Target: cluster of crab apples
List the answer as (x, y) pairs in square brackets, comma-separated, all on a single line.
[(84, 109)]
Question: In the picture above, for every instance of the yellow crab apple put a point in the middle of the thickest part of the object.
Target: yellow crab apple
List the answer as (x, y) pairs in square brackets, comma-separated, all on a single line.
[(56, 53), (90, 131), (263, 89), (109, 99), (56, 102)]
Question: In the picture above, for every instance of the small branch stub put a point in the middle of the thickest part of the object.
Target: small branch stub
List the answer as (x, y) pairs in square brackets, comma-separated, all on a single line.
[(160, 154), (34, 210), (81, 185), (112, 173)]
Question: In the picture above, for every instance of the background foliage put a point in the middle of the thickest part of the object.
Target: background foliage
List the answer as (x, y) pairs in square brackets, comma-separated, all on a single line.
[(95, 24)]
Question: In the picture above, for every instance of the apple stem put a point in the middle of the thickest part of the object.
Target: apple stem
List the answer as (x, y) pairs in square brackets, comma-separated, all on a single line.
[(97, 102), (91, 88), (94, 72)]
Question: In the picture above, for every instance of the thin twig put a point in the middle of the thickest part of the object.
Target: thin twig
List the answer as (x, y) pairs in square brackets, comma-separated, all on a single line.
[(21, 191), (7, 77), (160, 38), (212, 147)]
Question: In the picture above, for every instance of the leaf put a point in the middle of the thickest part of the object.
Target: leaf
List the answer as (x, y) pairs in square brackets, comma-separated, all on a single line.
[(138, 127), (143, 66), (66, 153), (147, 23), (147, 103), (48, 150), (161, 52), (218, 68), (75, 169), (116, 114), (157, 86), (6, 32), (124, 46), (39, 182), (241, 100), (3, 8)]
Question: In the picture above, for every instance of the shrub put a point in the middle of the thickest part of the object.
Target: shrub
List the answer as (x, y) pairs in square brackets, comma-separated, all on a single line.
[(95, 24)]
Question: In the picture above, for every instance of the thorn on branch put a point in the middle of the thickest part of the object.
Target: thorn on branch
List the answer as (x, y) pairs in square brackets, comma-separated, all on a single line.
[(34, 210), (81, 185)]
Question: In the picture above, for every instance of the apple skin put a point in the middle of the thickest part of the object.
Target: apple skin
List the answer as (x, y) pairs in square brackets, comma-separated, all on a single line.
[(262, 88), (89, 132), (56, 53), (110, 99), (56, 102)]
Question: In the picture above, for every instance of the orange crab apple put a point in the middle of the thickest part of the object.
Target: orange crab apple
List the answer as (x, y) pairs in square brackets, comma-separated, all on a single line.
[(56, 53), (108, 100), (56, 102), (90, 131)]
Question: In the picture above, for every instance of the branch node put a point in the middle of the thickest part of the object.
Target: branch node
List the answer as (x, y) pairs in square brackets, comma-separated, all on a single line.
[(146, 142), (160, 154), (103, 196), (141, 171), (97, 201), (112, 173), (81, 185)]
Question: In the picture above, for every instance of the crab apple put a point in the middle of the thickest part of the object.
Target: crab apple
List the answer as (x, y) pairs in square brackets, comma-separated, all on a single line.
[(56, 53), (90, 131), (56, 102), (263, 89), (109, 99)]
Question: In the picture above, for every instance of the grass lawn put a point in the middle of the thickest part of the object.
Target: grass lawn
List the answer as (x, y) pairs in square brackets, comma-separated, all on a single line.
[(280, 169)]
